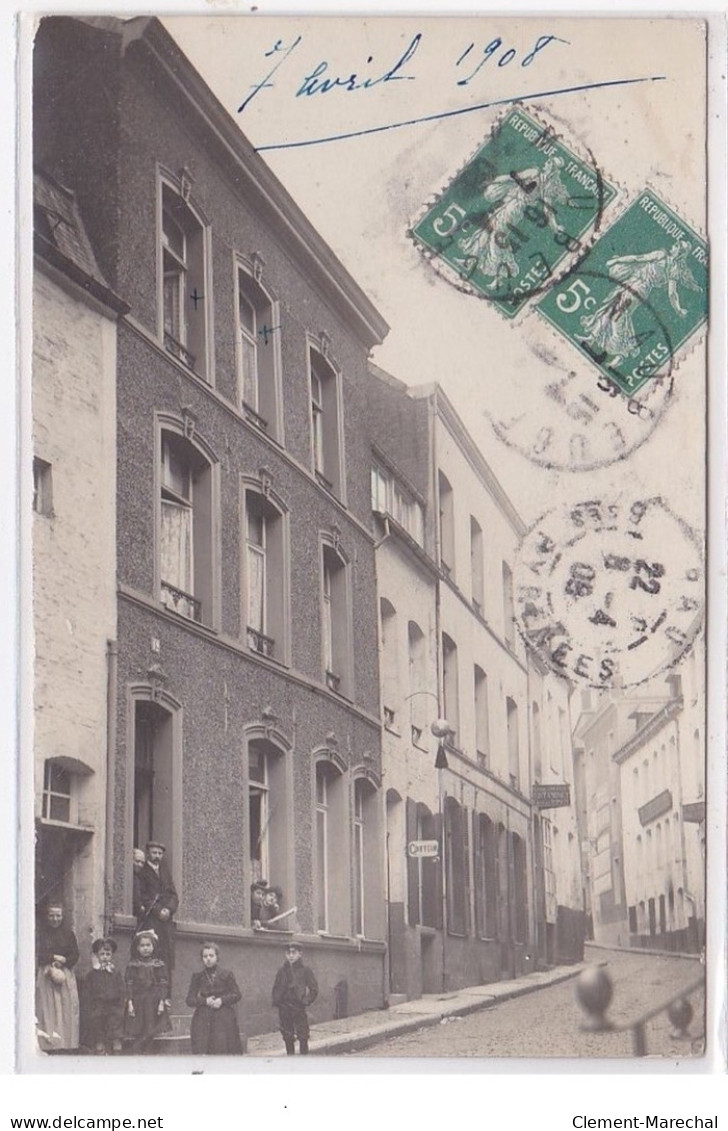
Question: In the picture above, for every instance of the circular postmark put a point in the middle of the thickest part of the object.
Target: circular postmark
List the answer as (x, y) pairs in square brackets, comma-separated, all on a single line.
[(610, 593), (573, 423), (518, 217)]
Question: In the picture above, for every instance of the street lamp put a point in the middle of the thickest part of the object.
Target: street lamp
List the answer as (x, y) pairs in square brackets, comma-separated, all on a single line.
[(441, 730)]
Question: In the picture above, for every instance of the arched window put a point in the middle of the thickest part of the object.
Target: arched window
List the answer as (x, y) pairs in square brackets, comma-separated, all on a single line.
[(186, 534), (326, 423), (259, 356), (509, 625), (424, 874), (476, 565), (390, 663), (513, 742), (336, 621), (269, 821), (332, 886), (366, 859), (184, 293), (480, 698), (265, 575), (447, 524), (451, 700), (417, 683)]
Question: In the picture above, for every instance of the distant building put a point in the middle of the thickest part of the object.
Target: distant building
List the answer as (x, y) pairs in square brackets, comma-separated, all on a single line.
[(641, 789), (74, 550), (247, 730), (504, 895)]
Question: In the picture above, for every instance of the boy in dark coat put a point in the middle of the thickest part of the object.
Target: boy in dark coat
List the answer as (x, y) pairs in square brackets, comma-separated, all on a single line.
[(103, 1000), (294, 989)]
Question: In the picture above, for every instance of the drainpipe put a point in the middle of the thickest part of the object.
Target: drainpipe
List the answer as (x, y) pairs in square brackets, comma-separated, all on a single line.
[(112, 656)]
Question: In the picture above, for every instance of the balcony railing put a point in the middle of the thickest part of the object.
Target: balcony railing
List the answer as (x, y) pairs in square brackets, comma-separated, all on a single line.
[(179, 351), (260, 643), (180, 602), (255, 417), (594, 990)]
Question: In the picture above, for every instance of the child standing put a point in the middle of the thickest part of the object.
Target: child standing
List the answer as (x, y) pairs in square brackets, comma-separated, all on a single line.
[(147, 986), (294, 989), (213, 994), (103, 1000)]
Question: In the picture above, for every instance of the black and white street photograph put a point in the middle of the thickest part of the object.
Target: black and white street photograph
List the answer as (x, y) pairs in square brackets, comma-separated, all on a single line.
[(365, 504)]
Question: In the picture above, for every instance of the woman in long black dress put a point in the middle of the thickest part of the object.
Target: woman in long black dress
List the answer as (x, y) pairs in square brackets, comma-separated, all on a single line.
[(213, 994), (57, 1013)]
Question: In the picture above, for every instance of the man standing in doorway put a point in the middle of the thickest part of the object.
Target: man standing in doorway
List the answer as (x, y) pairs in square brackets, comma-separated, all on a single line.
[(157, 901)]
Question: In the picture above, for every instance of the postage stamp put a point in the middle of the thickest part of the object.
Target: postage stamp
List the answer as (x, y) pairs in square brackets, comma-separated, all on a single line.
[(515, 216), (637, 297), (610, 592)]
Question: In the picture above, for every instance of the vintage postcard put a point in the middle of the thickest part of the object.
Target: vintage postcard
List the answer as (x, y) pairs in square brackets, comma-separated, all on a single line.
[(368, 534)]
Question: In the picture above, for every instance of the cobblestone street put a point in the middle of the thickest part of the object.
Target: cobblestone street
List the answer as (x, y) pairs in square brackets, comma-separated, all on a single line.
[(547, 1022)]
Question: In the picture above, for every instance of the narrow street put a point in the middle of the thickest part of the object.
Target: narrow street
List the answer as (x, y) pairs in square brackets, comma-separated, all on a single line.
[(547, 1022)]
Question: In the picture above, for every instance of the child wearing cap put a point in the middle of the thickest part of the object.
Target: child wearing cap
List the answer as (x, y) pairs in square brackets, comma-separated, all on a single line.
[(104, 995), (294, 989)]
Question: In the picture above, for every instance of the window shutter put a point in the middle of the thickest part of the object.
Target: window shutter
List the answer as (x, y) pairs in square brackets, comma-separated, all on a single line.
[(412, 870)]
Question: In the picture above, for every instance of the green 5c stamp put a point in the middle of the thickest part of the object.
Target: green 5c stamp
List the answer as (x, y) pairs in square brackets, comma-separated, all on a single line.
[(515, 215), (638, 296)]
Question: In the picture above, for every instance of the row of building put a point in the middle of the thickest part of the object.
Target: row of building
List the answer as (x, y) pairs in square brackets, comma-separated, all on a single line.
[(273, 587)]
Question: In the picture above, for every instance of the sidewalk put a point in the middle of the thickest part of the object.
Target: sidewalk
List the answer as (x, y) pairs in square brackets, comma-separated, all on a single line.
[(335, 1037)]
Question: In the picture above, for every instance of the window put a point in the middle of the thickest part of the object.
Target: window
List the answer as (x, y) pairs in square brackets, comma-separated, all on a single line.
[(367, 909), (476, 565), (42, 487), (326, 423), (514, 774), (154, 818), (186, 543), (536, 724), (332, 860), (450, 682), (258, 320), (265, 576), (509, 623), (447, 524), (480, 695), (392, 498), (56, 792), (390, 667), (417, 669), (458, 876), (336, 632), (184, 299)]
